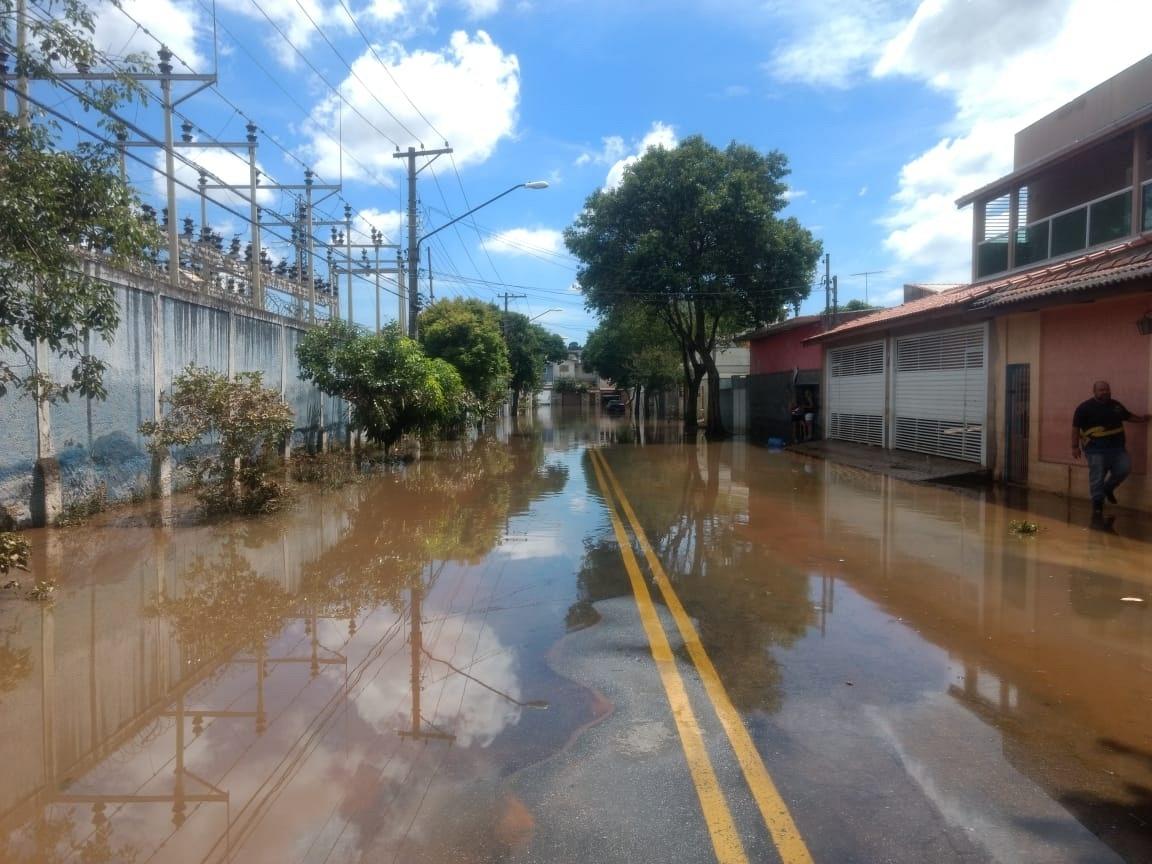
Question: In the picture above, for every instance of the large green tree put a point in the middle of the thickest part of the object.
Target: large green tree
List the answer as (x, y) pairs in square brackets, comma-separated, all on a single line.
[(693, 236), (393, 388), (466, 333), (55, 206), (530, 346), (633, 348)]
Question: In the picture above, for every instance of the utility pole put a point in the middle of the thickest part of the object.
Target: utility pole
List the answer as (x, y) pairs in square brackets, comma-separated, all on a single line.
[(413, 242), (504, 320)]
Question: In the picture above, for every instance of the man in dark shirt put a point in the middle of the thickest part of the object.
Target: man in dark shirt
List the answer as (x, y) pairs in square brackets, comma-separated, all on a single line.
[(1098, 432)]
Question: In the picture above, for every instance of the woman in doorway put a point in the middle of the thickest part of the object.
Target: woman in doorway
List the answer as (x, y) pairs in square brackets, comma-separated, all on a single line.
[(797, 412)]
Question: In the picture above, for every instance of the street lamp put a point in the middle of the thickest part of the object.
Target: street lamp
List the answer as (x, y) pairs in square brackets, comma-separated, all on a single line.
[(542, 314), (414, 246)]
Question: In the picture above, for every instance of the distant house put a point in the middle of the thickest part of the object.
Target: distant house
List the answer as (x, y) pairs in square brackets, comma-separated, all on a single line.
[(784, 369), (990, 372)]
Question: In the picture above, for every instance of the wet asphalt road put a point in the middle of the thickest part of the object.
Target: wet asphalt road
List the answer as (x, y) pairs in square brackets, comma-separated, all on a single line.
[(455, 663)]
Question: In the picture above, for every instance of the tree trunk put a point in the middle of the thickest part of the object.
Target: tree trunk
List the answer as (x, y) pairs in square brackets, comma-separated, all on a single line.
[(692, 401), (515, 401), (714, 425)]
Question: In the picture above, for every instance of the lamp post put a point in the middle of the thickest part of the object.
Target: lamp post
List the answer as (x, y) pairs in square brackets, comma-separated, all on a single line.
[(414, 247)]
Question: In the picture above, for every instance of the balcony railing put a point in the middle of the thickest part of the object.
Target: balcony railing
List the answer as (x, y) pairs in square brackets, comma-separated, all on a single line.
[(1060, 235)]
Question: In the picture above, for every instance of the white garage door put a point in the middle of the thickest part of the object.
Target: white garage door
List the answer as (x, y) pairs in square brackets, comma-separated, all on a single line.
[(856, 385), (940, 393)]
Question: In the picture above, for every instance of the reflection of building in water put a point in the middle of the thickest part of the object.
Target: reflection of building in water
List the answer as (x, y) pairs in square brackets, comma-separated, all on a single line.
[(1051, 656)]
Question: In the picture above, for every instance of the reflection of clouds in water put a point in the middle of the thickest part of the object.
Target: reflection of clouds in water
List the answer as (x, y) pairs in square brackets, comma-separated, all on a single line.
[(522, 547), (449, 701), (578, 504)]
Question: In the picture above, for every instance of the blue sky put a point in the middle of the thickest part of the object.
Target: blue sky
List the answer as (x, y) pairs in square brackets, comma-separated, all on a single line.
[(887, 110)]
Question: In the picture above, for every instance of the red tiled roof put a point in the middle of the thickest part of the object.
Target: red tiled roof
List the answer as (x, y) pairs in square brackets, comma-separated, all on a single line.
[(945, 301), (1123, 262)]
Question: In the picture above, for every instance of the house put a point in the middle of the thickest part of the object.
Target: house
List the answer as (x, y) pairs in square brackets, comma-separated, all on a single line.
[(782, 369), (990, 372)]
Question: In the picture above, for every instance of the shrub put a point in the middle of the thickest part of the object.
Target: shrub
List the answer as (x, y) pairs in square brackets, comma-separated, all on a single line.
[(230, 430), (13, 552)]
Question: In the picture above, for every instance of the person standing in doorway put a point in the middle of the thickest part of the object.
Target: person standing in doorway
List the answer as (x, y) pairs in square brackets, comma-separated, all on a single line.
[(1098, 433)]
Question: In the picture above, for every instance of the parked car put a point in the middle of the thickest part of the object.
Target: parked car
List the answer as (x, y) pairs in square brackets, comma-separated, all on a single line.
[(614, 407)]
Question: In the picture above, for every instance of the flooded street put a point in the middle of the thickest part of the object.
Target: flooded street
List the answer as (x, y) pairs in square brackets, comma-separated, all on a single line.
[(572, 642)]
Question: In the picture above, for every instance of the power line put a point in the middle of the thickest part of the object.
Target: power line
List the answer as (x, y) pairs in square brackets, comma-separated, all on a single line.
[(318, 74), (352, 71), (388, 72)]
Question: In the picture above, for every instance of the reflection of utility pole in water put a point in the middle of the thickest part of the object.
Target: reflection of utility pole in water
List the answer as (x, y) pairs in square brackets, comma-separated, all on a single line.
[(827, 599), (417, 642)]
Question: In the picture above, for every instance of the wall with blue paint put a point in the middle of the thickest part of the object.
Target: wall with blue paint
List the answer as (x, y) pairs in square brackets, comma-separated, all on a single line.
[(98, 441)]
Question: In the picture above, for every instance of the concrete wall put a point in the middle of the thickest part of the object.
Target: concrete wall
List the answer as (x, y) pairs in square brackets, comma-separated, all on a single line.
[(1117, 98), (98, 442)]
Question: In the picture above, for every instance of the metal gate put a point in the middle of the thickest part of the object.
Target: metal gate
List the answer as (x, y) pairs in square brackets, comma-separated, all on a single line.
[(1016, 422), (939, 393), (855, 393)]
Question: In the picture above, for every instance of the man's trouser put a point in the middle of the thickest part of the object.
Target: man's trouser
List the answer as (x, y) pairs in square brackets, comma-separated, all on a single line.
[(1107, 469)]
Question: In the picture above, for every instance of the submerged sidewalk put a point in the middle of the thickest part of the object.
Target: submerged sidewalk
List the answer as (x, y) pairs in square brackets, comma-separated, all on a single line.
[(914, 467)]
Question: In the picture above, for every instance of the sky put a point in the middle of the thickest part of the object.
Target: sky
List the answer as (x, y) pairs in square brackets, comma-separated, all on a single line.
[(887, 110)]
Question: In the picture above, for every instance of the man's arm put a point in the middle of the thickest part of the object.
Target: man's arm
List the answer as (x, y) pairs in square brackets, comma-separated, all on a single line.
[(1135, 418), (1075, 442)]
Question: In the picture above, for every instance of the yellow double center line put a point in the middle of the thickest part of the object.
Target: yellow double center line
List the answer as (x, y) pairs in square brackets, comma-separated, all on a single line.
[(717, 816)]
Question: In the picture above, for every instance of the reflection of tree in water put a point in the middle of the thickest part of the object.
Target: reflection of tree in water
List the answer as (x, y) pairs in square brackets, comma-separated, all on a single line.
[(223, 605), (52, 841), (601, 577), (15, 663), (742, 601), (451, 506)]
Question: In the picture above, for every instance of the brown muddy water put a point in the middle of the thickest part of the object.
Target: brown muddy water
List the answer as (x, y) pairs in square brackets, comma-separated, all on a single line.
[(390, 671)]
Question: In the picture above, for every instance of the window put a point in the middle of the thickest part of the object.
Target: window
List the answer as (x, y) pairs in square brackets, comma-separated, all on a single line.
[(1110, 219)]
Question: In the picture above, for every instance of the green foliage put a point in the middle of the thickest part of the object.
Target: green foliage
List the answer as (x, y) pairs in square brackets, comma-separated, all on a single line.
[(857, 306), (393, 388), (53, 206), (1023, 528), (467, 334), (84, 506), (530, 346), (633, 348), (13, 552), (569, 385), (230, 429), (223, 605), (691, 236), (330, 470)]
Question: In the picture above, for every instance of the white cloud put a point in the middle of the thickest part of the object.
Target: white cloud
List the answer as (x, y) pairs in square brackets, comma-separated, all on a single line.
[(613, 150), (292, 19), (1036, 57), (1060, 47), (470, 92), (223, 167), (835, 41), (863, 191), (174, 23), (660, 135), (526, 241), (392, 222), (480, 8), (793, 194)]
